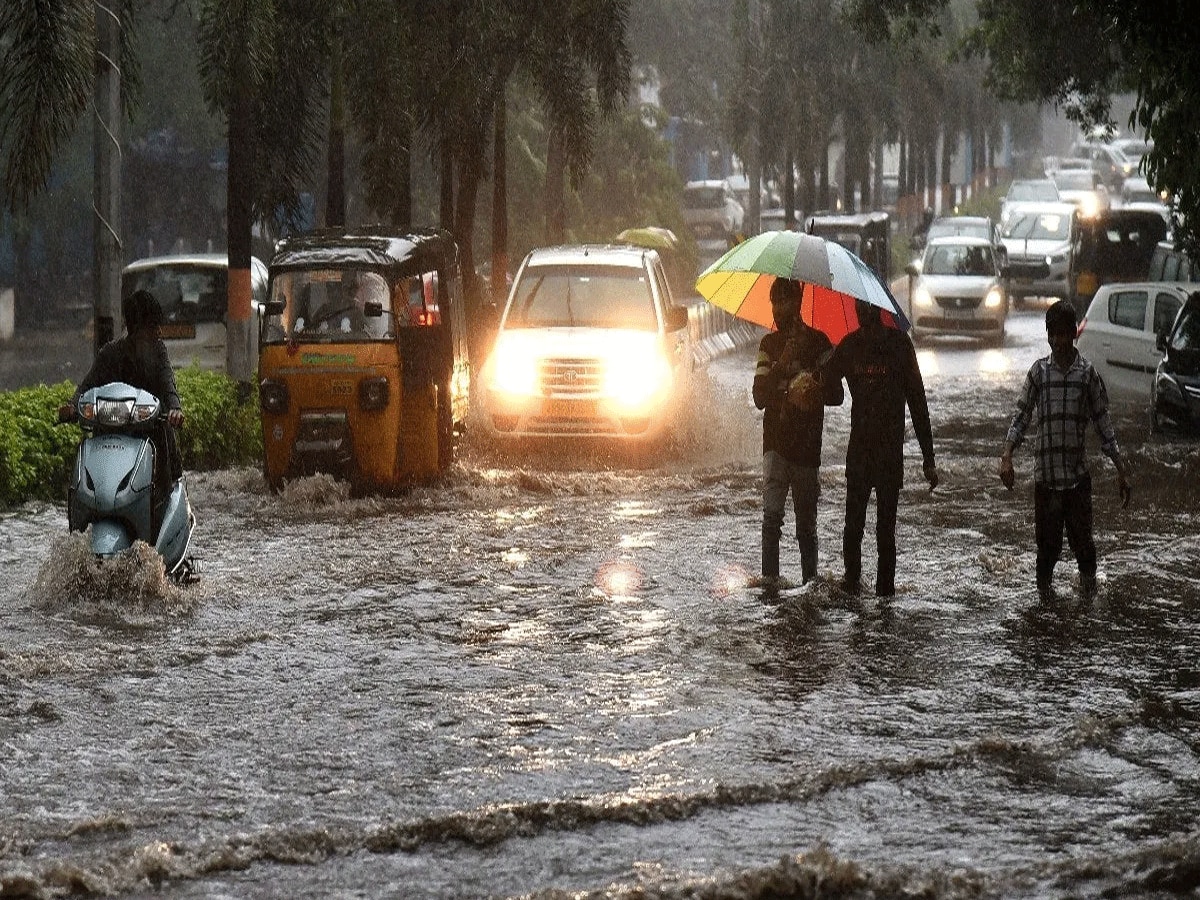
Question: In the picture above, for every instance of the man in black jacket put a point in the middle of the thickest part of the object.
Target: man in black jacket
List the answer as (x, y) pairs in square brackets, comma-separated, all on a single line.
[(788, 385), (140, 360), (880, 367)]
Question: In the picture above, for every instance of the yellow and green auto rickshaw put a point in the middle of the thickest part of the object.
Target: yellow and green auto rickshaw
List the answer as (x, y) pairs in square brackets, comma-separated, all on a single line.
[(363, 369)]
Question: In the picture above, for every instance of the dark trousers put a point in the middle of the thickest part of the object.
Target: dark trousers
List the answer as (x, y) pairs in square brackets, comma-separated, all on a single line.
[(1054, 510), (887, 499)]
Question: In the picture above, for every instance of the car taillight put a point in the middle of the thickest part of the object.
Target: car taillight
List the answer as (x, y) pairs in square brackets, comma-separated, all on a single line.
[(273, 397), (373, 393)]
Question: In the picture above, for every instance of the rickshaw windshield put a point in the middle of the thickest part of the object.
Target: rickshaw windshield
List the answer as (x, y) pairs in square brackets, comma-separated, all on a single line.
[(336, 305)]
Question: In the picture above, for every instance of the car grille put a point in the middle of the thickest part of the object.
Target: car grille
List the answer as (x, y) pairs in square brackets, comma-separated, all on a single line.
[(1028, 268), (567, 377), (959, 302)]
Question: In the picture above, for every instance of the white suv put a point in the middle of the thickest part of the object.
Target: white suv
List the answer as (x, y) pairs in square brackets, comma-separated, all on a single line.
[(590, 343)]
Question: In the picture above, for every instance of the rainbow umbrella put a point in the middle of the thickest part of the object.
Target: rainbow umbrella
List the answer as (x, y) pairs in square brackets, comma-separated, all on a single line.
[(832, 279)]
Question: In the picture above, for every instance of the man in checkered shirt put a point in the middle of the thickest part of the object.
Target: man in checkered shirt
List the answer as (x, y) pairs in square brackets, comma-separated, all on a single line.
[(1068, 393)]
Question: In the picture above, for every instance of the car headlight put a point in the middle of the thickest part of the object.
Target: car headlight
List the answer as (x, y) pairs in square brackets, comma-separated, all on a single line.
[(633, 380), (922, 297), (514, 369), (1089, 206), (994, 299), (1168, 389), (1056, 259)]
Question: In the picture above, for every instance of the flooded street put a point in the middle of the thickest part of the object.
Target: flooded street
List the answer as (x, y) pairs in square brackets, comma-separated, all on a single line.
[(556, 675)]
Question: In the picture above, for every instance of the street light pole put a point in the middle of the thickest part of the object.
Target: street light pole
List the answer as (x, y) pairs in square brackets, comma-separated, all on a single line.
[(106, 199)]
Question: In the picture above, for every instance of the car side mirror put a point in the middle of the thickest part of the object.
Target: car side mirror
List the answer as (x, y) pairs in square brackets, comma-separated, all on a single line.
[(913, 269), (677, 318), (273, 307), (1160, 341)]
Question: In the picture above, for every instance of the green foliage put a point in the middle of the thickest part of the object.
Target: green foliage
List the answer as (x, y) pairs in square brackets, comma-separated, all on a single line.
[(36, 453), (218, 430)]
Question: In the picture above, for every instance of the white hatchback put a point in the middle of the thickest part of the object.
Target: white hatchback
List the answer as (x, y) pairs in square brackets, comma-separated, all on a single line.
[(957, 289), (1119, 335)]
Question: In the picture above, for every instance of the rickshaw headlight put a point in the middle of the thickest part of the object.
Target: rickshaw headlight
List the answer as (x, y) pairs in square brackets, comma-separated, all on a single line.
[(373, 393), (273, 397)]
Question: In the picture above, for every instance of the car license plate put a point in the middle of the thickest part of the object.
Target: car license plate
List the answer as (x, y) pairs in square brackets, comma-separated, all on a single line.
[(955, 313), (568, 409)]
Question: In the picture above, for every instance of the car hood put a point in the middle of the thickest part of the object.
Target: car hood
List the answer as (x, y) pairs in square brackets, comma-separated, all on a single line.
[(958, 285), (1024, 247)]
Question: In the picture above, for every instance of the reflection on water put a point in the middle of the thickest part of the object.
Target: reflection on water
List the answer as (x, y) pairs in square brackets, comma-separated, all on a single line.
[(559, 672)]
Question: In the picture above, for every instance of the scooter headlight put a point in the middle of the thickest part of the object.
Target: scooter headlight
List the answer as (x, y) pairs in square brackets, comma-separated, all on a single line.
[(120, 412)]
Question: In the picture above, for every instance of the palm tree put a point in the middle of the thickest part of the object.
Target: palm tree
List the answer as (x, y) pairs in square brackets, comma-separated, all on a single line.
[(50, 58)]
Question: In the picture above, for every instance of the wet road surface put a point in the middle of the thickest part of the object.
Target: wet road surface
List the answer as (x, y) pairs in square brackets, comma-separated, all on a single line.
[(556, 675)]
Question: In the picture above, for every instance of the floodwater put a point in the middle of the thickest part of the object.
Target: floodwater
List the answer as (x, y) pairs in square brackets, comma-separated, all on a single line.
[(555, 675)]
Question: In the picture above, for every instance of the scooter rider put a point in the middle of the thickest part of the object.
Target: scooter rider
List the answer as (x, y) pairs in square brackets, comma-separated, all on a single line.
[(140, 360)]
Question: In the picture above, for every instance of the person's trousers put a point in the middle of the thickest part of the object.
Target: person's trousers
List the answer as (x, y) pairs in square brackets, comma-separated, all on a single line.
[(781, 476), (887, 499), (1054, 511)]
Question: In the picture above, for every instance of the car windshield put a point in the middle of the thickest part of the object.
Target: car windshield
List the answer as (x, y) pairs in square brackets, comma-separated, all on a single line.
[(959, 259), (701, 197), (1187, 335), (1075, 180), (1032, 191), (1033, 226), (187, 292), (328, 305), (584, 296), (951, 228)]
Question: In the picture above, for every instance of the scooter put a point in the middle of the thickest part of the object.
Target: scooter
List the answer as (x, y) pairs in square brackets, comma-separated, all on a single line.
[(113, 488)]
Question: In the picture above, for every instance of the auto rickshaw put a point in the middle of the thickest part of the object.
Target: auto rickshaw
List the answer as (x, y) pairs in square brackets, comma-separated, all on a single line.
[(363, 369)]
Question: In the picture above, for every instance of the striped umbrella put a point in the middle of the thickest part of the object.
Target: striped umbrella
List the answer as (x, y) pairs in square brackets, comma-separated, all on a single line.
[(832, 279)]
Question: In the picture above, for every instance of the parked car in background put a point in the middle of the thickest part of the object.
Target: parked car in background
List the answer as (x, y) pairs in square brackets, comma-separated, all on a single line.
[(711, 210), (1038, 240), (1120, 335), (193, 290), (1022, 193), (962, 226), (591, 344), (1175, 394), (1135, 149), (1114, 245), (1108, 161), (957, 289), (1084, 188)]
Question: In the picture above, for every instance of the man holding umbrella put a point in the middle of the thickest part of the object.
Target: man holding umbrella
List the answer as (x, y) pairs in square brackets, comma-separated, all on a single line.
[(880, 367), (789, 387)]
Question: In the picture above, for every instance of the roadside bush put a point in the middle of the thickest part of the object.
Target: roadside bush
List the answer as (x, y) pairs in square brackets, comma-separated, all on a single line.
[(36, 453)]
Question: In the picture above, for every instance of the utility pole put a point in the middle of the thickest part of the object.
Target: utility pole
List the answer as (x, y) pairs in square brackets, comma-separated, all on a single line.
[(106, 189), (755, 73)]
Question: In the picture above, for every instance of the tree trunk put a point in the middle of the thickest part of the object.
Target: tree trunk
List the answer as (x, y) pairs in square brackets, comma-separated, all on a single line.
[(555, 186), (239, 223), (446, 185), (106, 236), (499, 281), (335, 196), (789, 191)]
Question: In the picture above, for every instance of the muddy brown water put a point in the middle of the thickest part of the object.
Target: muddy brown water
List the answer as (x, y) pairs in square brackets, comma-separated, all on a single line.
[(556, 675)]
